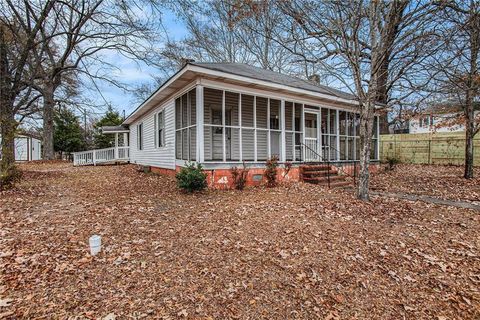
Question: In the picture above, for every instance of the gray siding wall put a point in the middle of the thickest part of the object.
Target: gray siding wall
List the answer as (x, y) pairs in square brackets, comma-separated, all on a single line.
[(150, 155)]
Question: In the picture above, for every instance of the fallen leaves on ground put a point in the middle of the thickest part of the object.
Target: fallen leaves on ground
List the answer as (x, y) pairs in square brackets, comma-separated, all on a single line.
[(297, 251), (445, 182)]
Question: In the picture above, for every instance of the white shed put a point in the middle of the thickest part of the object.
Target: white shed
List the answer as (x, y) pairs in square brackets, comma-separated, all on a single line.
[(27, 148)]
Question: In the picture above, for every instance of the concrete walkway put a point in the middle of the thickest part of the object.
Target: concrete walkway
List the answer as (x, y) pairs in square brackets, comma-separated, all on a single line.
[(429, 199)]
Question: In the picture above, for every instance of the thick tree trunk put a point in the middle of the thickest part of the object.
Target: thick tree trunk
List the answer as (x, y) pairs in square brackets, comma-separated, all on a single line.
[(8, 126), (366, 125), (48, 109), (469, 134)]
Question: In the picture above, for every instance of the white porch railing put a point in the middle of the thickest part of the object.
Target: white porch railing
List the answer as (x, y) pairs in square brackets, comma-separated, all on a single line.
[(94, 157)]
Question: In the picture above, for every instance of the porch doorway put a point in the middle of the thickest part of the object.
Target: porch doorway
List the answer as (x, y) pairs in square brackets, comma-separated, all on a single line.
[(312, 135), (217, 135)]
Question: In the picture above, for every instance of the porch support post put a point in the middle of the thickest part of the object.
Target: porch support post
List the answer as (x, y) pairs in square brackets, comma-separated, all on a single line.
[(337, 132), (320, 137), (283, 150), (199, 106), (240, 125), (269, 149), (302, 126), (116, 145), (255, 128), (378, 138), (224, 136), (126, 143)]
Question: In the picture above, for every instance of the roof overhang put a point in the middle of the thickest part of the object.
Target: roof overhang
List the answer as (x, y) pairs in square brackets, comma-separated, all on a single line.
[(190, 72), (115, 129)]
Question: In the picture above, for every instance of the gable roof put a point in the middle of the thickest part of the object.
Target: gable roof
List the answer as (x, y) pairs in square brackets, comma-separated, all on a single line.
[(249, 71), (239, 73)]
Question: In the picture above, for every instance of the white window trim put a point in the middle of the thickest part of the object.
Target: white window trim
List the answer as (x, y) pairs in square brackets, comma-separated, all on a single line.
[(156, 128), (140, 136)]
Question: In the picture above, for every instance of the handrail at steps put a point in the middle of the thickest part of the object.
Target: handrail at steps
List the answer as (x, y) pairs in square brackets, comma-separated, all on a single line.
[(321, 160), (330, 163)]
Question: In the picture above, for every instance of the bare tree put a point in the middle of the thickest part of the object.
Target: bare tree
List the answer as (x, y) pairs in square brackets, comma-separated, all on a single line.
[(458, 75), (20, 25), (361, 44), (75, 35), (231, 31)]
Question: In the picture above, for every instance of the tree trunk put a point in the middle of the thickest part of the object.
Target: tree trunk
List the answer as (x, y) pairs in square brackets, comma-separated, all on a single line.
[(8, 126), (468, 174), (469, 134), (366, 125), (48, 109)]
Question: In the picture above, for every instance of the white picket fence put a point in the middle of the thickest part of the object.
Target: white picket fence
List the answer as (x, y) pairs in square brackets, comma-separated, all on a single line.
[(94, 157)]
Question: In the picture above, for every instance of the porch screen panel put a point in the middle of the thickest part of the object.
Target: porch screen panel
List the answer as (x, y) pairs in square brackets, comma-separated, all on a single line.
[(233, 143), (185, 111), (212, 101), (193, 143), (288, 116), (248, 144), (262, 105), (178, 113), (231, 108), (298, 129), (262, 145), (178, 144), (275, 114), (275, 132), (185, 148), (343, 135), (289, 146), (356, 128), (207, 132), (247, 111), (185, 126), (193, 106), (289, 131)]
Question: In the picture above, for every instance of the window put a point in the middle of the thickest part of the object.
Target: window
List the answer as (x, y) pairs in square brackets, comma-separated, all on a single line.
[(160, 129), (140, 136)]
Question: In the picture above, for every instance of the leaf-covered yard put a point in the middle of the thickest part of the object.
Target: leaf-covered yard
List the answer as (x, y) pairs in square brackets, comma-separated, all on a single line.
[(298, 251)]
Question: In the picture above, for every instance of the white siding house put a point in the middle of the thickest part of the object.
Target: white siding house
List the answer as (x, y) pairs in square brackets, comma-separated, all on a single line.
[(225, 114), (151, 153), (438, 122)]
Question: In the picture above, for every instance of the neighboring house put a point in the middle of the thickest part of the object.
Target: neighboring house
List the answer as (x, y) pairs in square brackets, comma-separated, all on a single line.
[(27, 148), (441, 118), (225, 114)]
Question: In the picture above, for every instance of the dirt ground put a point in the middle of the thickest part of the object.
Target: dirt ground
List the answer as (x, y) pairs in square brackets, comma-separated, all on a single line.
[(292, 252)]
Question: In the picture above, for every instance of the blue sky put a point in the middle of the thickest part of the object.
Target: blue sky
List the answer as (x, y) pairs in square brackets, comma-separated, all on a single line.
[(132, 73)]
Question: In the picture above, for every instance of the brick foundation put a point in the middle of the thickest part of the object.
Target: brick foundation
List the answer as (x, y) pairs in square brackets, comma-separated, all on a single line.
[(222, 178), (167, 172)]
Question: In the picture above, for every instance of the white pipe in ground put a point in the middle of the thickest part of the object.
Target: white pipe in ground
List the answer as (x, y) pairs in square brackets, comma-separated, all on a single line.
[(95, 244)]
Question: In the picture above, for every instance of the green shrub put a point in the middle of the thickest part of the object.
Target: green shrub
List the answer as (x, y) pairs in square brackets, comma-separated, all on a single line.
[(239, 177), (192, 178), (271, 171)]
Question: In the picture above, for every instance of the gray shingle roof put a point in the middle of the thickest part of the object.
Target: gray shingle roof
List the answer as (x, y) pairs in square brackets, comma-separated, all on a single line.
[(245, 70)]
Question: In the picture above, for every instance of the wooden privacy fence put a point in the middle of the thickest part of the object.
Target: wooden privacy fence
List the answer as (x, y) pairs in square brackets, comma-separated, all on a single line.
[(446, 148)]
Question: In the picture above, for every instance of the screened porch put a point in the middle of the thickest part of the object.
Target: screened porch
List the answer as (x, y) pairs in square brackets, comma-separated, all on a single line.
[(223, 126)]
